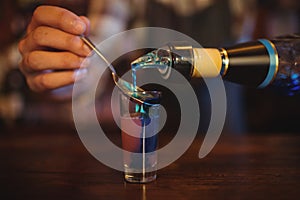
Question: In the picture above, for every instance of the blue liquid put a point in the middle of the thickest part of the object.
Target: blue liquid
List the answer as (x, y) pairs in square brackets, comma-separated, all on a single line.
[(141, 140), (154, 59), (150, 60)]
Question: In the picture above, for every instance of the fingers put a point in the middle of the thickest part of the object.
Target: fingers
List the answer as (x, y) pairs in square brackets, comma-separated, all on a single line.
[(58, 18), (43, 74), (47, 81), (52, 50), (45, 37), (35, 61)]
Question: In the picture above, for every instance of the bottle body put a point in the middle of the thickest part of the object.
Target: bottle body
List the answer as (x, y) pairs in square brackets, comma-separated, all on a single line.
[(288, 74)]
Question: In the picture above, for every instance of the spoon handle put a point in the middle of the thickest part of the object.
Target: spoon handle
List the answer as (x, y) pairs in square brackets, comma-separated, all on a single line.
[(88, 42)]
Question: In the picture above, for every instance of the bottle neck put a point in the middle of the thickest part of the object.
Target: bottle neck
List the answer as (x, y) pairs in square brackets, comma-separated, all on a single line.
[(253, 64)]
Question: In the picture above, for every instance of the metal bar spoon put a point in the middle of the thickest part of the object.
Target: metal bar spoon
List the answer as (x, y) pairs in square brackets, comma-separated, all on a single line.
[(136, 94)]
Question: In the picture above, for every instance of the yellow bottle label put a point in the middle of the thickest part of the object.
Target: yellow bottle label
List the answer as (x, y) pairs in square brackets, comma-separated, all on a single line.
[(207, 62)]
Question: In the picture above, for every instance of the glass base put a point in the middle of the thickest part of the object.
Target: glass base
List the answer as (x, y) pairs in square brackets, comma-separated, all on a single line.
[(140, 177)]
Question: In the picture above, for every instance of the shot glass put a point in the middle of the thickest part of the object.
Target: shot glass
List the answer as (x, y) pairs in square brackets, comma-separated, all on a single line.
[(139, 125)]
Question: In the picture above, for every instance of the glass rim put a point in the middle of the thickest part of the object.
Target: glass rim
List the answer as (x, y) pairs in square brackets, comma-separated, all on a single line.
[(145, 97)]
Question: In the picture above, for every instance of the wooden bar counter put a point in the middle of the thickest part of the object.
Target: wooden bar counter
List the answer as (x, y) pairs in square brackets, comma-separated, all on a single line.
[(51, 163)]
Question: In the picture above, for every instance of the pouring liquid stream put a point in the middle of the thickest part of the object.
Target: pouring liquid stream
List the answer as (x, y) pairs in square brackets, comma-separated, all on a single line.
[(152, 59), (147, 61)]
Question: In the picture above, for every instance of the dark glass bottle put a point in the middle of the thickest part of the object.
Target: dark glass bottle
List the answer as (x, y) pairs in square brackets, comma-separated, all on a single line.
[(258, 63)]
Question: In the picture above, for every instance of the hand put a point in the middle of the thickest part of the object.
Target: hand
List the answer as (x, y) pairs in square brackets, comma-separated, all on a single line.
[(52, 51)]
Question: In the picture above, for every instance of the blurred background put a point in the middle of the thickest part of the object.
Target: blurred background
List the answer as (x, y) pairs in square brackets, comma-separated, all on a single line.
[(226, 22)]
